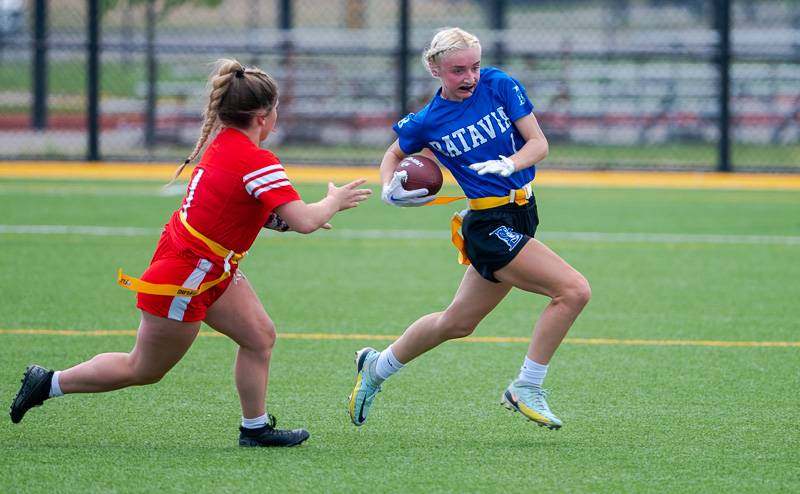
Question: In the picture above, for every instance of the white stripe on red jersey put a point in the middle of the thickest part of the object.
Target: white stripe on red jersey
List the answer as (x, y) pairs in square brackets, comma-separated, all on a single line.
[(267, 178), (275, 185), (262, 171), (256, 183)]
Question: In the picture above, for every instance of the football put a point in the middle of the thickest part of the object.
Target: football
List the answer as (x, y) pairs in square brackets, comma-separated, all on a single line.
[(423, 173)]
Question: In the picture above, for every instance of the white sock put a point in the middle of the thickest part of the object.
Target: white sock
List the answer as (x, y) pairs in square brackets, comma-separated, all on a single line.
[(254, 423), (55, 388), (387, 364), (532, 373)]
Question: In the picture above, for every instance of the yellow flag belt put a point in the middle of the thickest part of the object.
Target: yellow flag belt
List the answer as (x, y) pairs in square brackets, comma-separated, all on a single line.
[(517, 196), (229, 257)]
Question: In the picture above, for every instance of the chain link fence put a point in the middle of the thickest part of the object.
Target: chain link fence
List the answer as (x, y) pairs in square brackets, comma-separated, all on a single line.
[(616, 83)]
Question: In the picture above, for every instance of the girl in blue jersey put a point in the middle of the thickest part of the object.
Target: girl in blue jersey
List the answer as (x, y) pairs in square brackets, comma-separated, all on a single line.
[(480, 125)]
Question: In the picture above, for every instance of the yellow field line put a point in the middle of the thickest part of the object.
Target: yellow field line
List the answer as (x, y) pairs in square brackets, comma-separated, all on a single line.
[(471, 339), (321, 174)]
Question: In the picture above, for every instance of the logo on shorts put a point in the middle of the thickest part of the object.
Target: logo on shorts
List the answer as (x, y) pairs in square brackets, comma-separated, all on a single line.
[(507, 235)]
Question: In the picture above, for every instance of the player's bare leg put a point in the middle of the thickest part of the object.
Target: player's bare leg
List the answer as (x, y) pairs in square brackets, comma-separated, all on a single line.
[(160, 344), (239, 314), (475, 298), (538, 269)]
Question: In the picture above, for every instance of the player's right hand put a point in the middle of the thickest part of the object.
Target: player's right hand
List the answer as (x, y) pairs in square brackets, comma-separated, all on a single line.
[(348, 195), (394, 194)]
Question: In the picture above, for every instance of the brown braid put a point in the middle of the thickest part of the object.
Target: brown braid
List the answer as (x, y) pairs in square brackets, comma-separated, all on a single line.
[(218, 85)]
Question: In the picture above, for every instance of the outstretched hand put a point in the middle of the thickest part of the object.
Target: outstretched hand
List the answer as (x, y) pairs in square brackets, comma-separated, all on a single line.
[(394, 194), (348, 196)]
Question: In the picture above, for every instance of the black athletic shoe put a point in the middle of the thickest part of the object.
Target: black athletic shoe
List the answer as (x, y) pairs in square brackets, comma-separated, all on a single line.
[(270, 436), (34, 390)]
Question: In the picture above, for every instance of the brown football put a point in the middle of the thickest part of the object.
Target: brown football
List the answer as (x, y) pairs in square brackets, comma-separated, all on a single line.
[(423, 173)]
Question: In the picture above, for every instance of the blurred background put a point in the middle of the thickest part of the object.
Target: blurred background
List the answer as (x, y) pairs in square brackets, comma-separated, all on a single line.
[(663, 84)]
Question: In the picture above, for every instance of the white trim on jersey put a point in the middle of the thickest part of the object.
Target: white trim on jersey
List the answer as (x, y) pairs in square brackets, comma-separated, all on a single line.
[(271, 186), (177, 309), (261, 171), (267, 178), (192, 187), (257, 183)]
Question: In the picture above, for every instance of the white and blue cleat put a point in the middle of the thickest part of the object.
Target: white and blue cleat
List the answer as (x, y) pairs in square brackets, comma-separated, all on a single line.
[(529, 400), (366, 387)]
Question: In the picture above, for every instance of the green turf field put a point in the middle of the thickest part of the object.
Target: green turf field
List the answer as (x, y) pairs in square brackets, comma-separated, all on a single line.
[(672, 416)]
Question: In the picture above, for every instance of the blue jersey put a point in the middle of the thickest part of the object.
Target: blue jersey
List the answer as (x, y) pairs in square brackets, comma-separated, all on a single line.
[(480, 128)]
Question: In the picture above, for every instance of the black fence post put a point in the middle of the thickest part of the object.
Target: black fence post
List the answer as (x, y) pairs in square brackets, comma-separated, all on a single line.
[(498, 25), (402, 55), (152, 76), (285, 24), (285, 15), (39, 109), (723, 25), (93, 81)]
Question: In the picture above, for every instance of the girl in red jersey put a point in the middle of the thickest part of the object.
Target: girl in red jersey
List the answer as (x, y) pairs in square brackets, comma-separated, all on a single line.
[(235, 190)]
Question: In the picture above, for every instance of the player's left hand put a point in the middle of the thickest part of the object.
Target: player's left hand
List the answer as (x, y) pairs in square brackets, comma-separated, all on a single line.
[(503, 167)]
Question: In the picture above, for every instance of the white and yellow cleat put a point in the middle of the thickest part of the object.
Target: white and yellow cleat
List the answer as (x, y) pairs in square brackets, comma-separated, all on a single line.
[(529, 400)]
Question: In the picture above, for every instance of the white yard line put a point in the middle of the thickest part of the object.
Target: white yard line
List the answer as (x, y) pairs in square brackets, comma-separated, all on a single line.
[(658, 238), (99, 231)]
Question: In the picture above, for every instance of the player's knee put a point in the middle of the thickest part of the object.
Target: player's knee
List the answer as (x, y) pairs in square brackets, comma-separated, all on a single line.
[(150, 379), (143, 377), (578, 293), (263, 338), (453, 328), (139, 372)]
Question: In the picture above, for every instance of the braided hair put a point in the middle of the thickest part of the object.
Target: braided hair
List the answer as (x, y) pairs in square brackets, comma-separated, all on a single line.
[(235, 94), (446, 41)]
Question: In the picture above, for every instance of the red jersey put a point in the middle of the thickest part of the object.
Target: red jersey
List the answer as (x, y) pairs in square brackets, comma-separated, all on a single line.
[(231, 193)]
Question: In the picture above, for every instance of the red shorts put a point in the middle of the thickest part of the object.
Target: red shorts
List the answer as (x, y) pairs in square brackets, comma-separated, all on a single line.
[(177, 268)]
